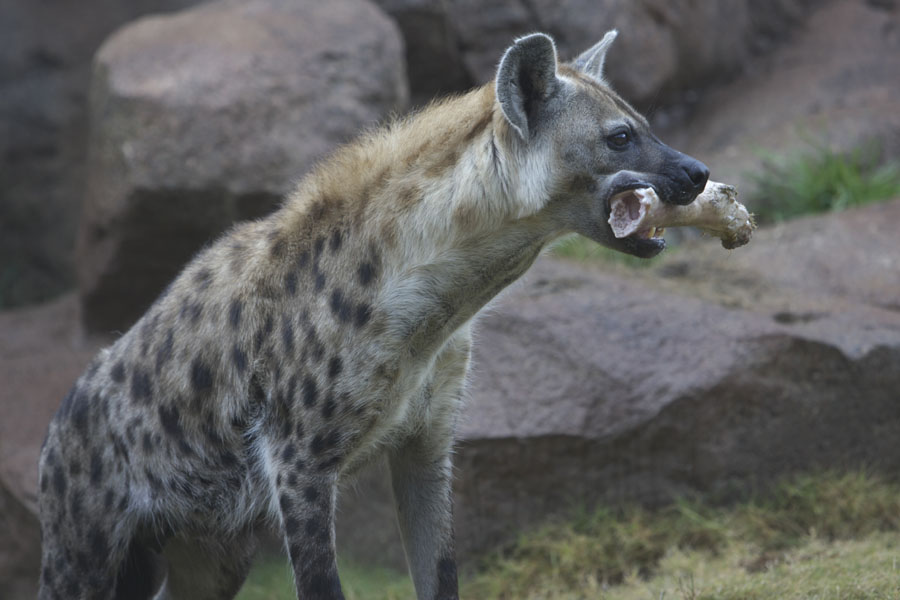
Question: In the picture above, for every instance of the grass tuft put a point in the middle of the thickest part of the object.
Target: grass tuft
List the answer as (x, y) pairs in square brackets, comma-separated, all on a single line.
[(822, 180), (831, 536)]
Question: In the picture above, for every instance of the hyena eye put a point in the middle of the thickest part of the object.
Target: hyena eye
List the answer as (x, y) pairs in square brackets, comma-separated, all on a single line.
[(619, 139)]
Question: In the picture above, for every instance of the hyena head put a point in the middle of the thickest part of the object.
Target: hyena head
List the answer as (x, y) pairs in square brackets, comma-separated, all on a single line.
[(598, 145)]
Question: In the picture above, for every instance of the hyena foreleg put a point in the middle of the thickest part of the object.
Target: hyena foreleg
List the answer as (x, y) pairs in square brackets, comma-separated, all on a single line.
[(421, 476)]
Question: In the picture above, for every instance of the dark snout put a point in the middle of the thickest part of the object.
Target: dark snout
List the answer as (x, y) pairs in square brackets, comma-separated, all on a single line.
[(691, 176)]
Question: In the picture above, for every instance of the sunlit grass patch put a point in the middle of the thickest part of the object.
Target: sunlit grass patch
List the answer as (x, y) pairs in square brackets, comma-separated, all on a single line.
[(830, 536)]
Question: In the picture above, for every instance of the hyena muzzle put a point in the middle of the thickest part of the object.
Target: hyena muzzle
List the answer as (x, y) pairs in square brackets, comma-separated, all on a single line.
[(297, 347)]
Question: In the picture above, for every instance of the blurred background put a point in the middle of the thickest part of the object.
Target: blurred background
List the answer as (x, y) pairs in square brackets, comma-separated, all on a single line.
[(628, 420)]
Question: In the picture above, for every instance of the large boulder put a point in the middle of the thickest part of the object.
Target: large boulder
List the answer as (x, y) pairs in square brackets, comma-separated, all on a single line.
[(45, 56), (667, 50), (208, 116), (714, 372)]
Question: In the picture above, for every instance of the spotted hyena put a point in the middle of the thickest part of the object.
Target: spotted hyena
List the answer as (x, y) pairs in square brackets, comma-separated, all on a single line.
[(297, 347)]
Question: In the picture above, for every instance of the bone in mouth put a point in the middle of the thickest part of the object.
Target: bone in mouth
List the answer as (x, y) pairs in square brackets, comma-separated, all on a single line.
[(716, 211)]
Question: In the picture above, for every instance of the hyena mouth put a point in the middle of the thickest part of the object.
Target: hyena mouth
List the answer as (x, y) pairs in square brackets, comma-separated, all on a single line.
[(628, 212), (639, 214)]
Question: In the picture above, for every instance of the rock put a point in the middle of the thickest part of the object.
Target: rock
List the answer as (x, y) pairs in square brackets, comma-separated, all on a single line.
[(665, 50), (45, 55), (715, 372), (835, 86), (208, 116), (433, 60)]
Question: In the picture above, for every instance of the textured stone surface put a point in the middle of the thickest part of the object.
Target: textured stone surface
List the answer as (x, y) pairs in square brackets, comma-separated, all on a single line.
[(667, 50), (45, 54), (208, 116), (836, 85)]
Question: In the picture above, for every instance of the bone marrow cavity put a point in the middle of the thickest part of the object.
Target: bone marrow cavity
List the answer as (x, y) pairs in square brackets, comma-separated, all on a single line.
[(716, 211)]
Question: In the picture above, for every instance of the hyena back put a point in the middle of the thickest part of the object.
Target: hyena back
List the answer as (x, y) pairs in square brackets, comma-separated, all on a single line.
[(296, 347)]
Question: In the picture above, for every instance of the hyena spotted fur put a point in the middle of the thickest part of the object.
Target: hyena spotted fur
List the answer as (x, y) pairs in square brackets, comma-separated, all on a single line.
[(297, 347)]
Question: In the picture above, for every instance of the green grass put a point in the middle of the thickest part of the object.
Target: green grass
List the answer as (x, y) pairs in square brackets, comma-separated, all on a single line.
[(821, 180), (271, 579), (826, 536)]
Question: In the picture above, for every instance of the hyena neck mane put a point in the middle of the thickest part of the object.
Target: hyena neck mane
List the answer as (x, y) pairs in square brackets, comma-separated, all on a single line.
[(445, 202)]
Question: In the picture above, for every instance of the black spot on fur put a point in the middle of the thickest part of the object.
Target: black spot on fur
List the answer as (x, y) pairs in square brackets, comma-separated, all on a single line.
[(98, 545), (299, 465), (292, 479), (118, 372), (195, 312), (335, 366), (290, 283), (164, 352), (108, 499), (257, 393), (328, 464), (310, 494), (363, 314), (319, 281), (80, 411), (234, 313), (287, 334), (75, 503), (336, 240), (341, 309), (447, 579), (203, 278), (147, 442), (289, 451), (291, 526), (322, 443), (317, 248), (239, 358), (321, 585), (366, 273), (278, 248), (328, 408), (59, 481), (201, 377), (170, 419), (313, 526), (310, 392), (156, 484), (141, 386), (96, 468), (286, 504)]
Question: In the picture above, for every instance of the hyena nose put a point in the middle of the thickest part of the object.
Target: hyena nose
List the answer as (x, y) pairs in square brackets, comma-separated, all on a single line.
[(697, 173)]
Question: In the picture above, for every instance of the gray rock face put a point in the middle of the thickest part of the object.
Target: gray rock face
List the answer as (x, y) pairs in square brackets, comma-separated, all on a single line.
[(207, 117), (45, 55), (714, 372), (836, 86), (666, 49)]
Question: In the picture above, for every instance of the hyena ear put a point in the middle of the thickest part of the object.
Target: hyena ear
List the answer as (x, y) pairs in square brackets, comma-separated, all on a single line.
[(591, 61), (526, 78)]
